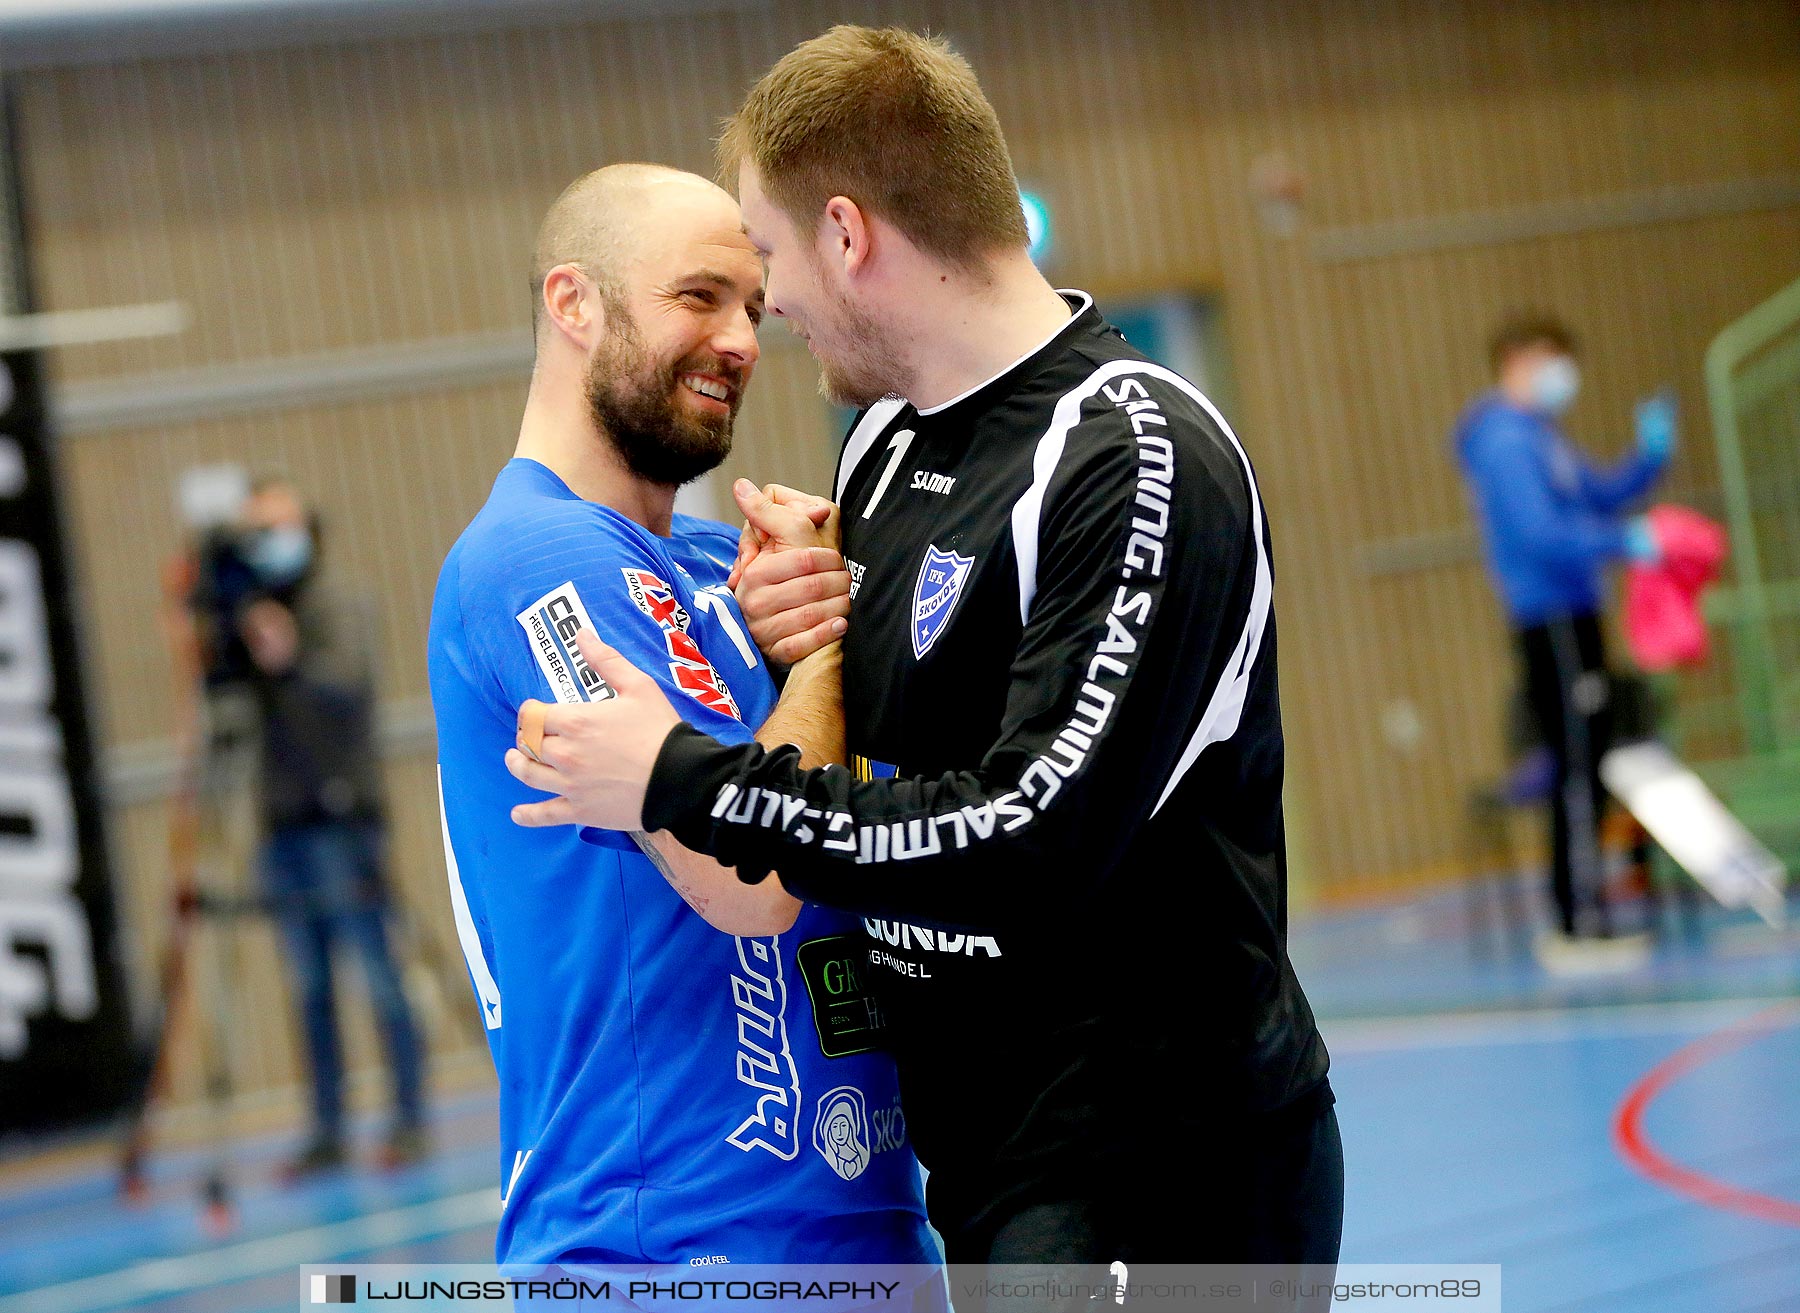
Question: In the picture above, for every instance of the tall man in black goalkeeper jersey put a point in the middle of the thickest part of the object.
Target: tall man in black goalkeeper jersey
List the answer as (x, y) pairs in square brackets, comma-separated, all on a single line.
[(1062, 820)]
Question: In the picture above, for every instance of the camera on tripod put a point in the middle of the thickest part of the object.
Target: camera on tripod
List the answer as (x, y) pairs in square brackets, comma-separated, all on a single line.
[(226, 584), (233, 567)]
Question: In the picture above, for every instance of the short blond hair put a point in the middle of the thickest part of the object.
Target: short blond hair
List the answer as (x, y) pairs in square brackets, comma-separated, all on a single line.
[(893, 120)]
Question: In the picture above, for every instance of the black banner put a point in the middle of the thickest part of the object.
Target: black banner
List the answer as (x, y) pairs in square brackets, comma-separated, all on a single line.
[(65, 1026)]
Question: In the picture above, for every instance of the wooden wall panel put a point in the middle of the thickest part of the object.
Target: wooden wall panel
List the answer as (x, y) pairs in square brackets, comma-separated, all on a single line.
[(360, 195)]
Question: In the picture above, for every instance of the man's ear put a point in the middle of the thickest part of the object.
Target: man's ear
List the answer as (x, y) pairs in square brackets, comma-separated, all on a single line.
[(849, 237), (568, 307)]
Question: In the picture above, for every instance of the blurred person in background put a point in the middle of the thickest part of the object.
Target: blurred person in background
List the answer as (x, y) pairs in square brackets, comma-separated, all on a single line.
[(308, 657), (1552, 521)]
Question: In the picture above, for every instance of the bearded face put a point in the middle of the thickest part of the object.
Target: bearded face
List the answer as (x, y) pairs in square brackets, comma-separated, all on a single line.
[(640, 403), (860, 358)]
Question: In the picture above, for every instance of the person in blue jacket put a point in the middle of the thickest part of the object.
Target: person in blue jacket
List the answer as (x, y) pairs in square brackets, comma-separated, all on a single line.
[(1552, 521), (671, 1091)]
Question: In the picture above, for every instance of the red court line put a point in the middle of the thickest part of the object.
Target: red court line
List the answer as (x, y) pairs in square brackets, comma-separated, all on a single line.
[(1635, 1147)]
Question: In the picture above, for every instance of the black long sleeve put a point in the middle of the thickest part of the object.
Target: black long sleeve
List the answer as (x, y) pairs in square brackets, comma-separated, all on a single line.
[(1150, 598)]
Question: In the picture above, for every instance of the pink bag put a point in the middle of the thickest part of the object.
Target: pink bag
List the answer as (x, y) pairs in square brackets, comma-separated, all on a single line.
[(1663, 625)]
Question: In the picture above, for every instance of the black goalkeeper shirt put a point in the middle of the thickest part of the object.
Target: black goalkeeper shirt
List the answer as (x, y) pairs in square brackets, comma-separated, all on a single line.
[(1062, 821)]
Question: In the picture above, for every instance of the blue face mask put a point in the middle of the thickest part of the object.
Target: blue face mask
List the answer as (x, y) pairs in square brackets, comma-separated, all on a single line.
[(1554, 384), (279, 555)]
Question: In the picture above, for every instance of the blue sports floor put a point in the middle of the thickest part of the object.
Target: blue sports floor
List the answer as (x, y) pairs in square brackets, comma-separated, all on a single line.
[(1626, 1144)]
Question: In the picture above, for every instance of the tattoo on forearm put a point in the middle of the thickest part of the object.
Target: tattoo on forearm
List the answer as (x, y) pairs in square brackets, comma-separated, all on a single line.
[(691, 896)]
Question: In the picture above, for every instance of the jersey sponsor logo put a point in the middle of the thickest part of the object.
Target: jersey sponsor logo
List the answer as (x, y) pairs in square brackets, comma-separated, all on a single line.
[(926, 481), (900, 934), (841, 1131), (692, 672), (941, 579), (551, 623), (847, 1017), (764, 1060), (889, 1126), (856, 569), (655, 599), (898, 965)]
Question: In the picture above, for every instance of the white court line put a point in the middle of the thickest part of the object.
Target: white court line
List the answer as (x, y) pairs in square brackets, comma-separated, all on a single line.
[(1442, 1030), (266, 1256)]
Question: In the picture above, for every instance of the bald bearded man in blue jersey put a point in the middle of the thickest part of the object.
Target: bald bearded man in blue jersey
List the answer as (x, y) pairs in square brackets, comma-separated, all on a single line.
[(671, 1091)]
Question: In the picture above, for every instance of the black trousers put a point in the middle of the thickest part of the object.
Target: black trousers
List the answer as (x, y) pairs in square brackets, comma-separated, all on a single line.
[(1272, 1195), (1566, 681)]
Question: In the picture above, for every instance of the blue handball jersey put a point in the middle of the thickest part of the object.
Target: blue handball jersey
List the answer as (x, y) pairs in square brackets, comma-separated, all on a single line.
[(668, 1093)]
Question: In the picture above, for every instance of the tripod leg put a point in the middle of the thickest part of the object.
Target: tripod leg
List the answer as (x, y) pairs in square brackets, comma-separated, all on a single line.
[(216, 990), (174, 973), (175, 969), (228, 833)]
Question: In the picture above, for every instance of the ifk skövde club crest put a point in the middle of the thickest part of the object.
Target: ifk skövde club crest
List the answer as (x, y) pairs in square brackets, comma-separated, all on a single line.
[(941, 579)]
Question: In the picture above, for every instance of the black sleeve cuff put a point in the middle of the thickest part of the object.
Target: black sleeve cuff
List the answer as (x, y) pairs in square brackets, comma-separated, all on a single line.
[(691, 768)]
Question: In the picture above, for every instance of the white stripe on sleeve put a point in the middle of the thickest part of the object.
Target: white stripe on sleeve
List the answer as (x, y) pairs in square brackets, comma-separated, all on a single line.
[(1225, 704)]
